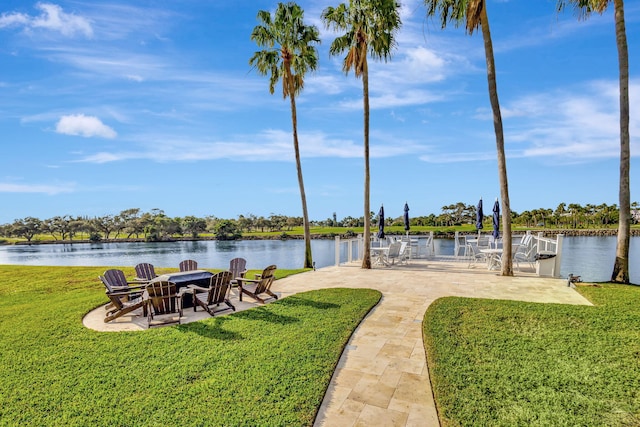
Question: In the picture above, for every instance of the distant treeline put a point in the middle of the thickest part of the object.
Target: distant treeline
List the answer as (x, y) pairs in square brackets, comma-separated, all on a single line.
[(156, 226)]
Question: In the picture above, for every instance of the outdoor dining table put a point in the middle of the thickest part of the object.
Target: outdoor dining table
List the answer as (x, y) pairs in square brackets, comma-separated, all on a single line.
[(379, 255), (184, 278), (494, 257)]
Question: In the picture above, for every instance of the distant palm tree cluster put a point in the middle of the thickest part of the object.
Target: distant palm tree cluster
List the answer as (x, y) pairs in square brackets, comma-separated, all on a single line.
[(570, 215)]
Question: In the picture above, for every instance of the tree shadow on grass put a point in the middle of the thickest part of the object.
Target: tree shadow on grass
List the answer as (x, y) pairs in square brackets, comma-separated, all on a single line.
[(296, 301), (211, 328), (265, 314)]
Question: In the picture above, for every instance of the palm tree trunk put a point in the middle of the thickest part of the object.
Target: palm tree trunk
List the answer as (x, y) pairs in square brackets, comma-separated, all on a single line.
[(621, 266), (366, 256), (308, 259), (507, 264)]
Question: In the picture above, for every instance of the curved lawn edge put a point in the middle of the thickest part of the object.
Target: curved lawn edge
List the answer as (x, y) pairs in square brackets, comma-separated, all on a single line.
[(269, 365), (345, 342), (498, 362)]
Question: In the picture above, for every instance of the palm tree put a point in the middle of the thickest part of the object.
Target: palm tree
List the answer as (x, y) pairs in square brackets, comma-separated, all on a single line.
[(584, 8), (473, 13), (289, 55), (559, 213), (369, 29)]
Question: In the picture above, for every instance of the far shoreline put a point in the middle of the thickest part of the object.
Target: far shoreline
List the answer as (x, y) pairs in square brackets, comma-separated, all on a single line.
[(608, 232)]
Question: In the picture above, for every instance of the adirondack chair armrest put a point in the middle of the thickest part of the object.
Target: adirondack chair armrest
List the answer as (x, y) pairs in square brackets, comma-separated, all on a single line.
[(196, 288), (242, 280), (122, 293), (137, 285)]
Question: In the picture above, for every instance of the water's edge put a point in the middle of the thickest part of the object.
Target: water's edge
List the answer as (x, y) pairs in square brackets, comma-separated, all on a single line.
[(346, 235), (591, 257)]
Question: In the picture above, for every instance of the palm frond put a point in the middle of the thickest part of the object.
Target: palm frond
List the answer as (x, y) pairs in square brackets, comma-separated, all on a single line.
[(474, 12), (583, 8), (449, 11)]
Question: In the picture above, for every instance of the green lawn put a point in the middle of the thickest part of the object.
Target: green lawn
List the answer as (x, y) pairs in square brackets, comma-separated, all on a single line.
[(266, 366), (506, 363)]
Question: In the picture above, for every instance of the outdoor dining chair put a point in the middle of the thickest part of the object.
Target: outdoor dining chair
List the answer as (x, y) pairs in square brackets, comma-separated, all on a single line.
[(525, 252), (238, 268), (114, 280), (163, 300), (145, 272), (258, 286), (474, 253), (393, 253), (124, 297), (188, 265), (122, 303), (460, 245), (217, 293)]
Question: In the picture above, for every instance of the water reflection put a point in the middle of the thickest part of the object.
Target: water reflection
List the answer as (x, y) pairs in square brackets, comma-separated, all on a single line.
[(593, 258), (209, 254)]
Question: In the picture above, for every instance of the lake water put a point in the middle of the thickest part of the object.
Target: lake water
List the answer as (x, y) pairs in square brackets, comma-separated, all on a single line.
[(590, 257)]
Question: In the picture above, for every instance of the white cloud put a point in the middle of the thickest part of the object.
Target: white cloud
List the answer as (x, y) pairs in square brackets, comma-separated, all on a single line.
[(398, 99), (577, 125), (112, 63), (108, 157), (275, 145), (7, 20), (87, 126), (417, 65), (118, 21), (323, 84), (459, 157), (35, 188), (413, 76), (52, 17)]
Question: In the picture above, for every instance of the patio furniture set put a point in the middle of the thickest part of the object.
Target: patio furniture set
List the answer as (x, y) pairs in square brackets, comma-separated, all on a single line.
[(486, 249), (387, 251), (165, 295)]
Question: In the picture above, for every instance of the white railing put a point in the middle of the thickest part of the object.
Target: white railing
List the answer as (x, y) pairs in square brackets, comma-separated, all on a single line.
[(353, 249)]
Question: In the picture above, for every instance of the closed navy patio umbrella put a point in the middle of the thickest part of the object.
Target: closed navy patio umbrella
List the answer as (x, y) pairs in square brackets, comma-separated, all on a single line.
[(496, 219), (479, 216), (406, 217), (381, 223)]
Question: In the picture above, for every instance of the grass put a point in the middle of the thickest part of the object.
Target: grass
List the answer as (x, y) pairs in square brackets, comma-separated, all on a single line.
[(265, 366), (507, 363)]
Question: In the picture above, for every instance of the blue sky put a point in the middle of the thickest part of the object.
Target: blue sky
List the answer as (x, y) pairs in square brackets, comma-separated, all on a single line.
[(110, 105)]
